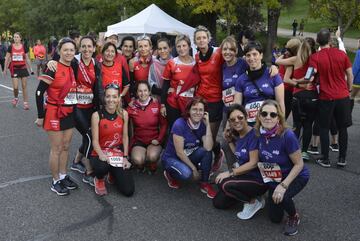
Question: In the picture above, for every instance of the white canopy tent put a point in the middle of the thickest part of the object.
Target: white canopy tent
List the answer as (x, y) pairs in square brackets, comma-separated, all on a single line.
[(150, 21)]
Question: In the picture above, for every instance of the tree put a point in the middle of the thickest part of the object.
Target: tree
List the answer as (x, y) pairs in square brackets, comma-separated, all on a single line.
[(340, 13)]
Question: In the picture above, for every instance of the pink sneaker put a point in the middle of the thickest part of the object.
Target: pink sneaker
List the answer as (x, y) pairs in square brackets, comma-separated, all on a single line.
[(15, 102), (207, 189), (217, 162), (100, 188), (171, 181), (26, 106)]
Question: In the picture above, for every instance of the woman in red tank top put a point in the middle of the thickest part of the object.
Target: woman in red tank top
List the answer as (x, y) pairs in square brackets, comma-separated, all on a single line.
[(111, 144), (140, 65), (18, 62), (57, 120)]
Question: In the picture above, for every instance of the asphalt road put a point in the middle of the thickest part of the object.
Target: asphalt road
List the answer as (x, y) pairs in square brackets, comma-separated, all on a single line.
[(329, 204)]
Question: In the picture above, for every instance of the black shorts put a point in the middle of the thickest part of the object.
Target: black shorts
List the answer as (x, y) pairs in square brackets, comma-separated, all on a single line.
[(139, 143), (20, 73), (215, 110), (339, 109)]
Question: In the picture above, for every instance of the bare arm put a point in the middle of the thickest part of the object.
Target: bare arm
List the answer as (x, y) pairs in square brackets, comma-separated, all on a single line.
[(349, 78), (95, 119), (279, 96), (287, 76), (238, 98), (7, 62), (287, 61)]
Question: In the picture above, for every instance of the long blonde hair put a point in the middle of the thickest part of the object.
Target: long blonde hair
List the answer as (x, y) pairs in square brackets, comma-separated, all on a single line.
[(304, 52)]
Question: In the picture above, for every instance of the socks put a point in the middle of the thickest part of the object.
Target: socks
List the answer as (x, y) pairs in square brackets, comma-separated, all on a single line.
[(62, 176)]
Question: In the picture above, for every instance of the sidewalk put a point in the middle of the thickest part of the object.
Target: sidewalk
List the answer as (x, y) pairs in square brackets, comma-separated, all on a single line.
[(350, 43)]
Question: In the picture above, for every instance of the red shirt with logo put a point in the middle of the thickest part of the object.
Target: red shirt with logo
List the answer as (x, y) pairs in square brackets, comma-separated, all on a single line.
[(86, 79), (178, 73), (141, 72), (113, 74), (148, 122), (18, 57), (210, 86), (331, 65), (39, 51)]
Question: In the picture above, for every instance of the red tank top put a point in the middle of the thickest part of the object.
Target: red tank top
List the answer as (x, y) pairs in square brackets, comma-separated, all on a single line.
[(112, 74), (110, 133), (210, 86), (85, 84), (18, 56), (299, 74), (141, 72)]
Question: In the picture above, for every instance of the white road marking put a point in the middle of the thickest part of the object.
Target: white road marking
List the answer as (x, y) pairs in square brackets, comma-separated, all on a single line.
[(9, 88)]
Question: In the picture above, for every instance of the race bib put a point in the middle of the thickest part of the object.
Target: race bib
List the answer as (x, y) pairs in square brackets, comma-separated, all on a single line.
[(228, 96), (84, 95), (17, 57), (270, 172), (189, 93), (189, 151), (115, 157), (71, 99), (252, 110)]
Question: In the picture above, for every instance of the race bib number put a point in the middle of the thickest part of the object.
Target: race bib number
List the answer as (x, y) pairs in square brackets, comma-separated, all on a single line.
[(115, 157), (17, 57), (228, 96), (84, 95), (70, 99), (189, 93), (189, 151), (270, 172), (252, 110)]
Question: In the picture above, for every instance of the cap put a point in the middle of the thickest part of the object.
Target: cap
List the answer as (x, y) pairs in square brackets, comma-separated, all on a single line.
[(110, 33)]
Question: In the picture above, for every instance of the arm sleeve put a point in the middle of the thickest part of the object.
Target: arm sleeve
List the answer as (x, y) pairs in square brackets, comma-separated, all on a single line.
[(125, 79), (9, 49), (98, 90), (156, 90), (39, 96), (164, 91)]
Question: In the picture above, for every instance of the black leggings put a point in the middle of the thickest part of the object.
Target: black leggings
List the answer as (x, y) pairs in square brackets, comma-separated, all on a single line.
[(276, 211), (316, 127), (123, 178), (241, 188), (172, 115), (288, 102), (82, 118), (304, 114)]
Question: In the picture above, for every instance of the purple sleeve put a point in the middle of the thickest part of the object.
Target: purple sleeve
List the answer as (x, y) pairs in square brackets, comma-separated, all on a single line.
[(239, 83), (253, 143), (291, 142), (178, 127), (277, 80)]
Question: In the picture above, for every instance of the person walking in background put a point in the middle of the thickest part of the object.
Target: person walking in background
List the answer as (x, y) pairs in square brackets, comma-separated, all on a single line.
[(294, 26), (301, 27), (3, 50), (40, 57)]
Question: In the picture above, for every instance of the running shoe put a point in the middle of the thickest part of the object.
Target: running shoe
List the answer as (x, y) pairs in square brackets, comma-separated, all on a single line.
[(26, 106), (291, 226), (207, 189), (218, 161), (341, 162), (59, 188), (305, 156), (313, 150), (100, 188), (334, 147), (323, 163), (172, 182), (79, 167), (110, 178), (151, 168), (89, 179), (250, 209), (68, 183), (15, 102)]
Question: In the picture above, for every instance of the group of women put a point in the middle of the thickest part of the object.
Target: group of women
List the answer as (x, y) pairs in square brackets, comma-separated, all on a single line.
[(182, 100)]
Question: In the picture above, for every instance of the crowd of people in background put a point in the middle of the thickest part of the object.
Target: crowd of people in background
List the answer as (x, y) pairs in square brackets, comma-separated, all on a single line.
[(139, 103)]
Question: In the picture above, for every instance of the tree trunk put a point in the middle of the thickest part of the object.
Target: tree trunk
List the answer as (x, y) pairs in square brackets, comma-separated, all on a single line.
[(273, 19), (211, 24)]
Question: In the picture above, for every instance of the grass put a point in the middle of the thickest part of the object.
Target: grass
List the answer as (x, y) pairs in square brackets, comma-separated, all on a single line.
[(299, 10)]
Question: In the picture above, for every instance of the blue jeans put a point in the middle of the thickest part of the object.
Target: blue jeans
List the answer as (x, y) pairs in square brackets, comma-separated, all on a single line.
[(177, 169)]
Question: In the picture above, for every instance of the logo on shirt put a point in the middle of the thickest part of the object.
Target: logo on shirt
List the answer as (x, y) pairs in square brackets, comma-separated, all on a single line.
[(136, 68), (276, 152), (155, 110), (177, 70), (266, 154), (117, 125), (235, 76), (265, 85)]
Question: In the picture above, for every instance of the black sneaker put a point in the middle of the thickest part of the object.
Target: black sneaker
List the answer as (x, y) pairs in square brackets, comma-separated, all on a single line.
[(341, 162), (59, 188), (68, 183), (79, 167), (291, 226), (313, 150), (89, 179), (323, 163), (334, 147)]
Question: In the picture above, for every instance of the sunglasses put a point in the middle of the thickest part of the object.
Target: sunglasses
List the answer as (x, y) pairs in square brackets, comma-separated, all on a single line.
[(239, 118), (271, 114), (143, 37), (112, 86)]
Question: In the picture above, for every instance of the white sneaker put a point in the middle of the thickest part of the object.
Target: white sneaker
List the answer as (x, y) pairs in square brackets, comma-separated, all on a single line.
[(249, 210)]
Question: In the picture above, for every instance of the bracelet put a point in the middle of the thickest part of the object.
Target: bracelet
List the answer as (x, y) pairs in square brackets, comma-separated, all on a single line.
[(125, 157), (232, 173), (284, 185)]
